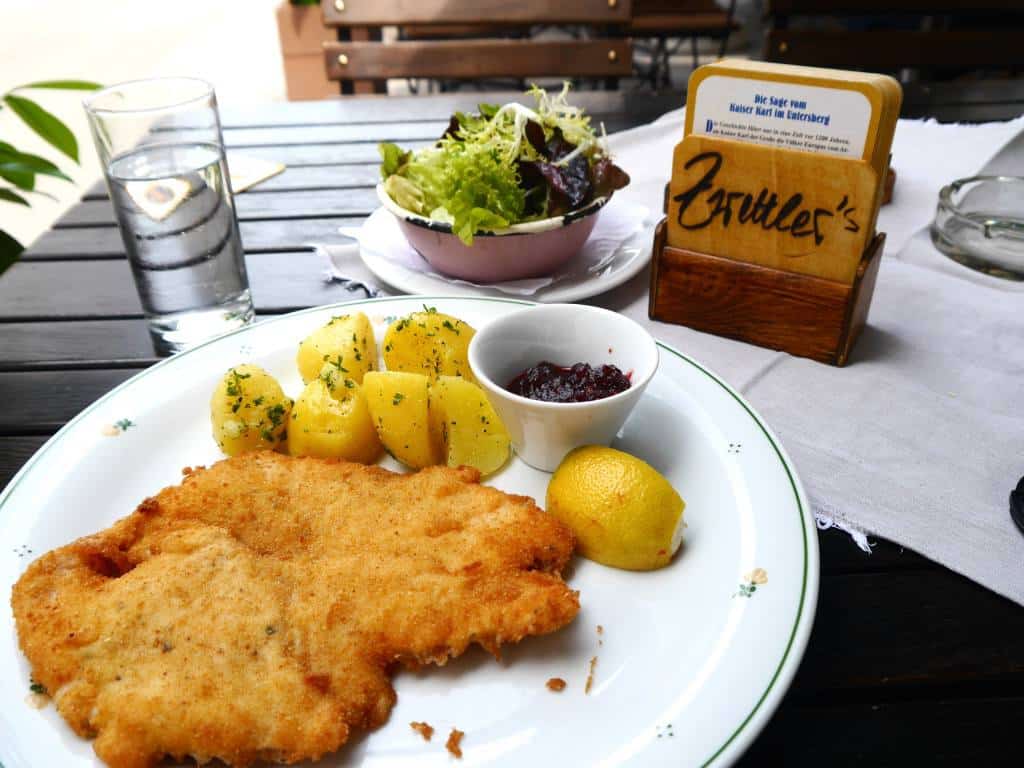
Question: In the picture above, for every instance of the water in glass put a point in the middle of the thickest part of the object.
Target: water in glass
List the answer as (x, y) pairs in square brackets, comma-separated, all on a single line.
[(181, 235)]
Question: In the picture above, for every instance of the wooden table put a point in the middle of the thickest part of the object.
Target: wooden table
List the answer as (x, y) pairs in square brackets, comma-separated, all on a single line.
[(908, 663)]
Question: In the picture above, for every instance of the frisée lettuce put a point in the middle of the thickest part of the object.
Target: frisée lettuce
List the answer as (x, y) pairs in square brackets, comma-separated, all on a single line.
[(504, 165)]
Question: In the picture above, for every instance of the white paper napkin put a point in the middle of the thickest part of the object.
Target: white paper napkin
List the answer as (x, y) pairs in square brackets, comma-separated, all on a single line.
[(381, 236)]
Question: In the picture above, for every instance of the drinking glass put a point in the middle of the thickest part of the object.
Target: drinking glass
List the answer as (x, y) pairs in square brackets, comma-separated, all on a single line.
[(162, 153)]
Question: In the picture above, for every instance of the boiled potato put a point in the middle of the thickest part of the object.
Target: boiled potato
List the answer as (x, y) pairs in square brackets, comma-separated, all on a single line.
[(249, 411), (429, 342), (333, 424), (346, 342), (467, 426), (399, 406)]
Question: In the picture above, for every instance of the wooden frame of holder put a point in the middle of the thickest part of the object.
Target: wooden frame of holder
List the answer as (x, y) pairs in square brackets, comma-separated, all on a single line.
[(768, 245), (804, 315)]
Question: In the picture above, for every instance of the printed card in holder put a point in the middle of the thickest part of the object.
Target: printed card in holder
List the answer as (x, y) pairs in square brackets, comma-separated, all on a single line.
[(769, 235)]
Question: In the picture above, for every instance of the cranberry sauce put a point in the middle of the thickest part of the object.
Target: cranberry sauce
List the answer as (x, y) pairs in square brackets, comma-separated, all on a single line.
[(580, 383)]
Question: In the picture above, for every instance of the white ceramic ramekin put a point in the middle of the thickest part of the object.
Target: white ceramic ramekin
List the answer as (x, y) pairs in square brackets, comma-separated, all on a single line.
[(543, 433)]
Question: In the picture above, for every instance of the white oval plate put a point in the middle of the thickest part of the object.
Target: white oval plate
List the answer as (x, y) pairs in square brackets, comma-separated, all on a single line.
[(692, 660), (630, 258)]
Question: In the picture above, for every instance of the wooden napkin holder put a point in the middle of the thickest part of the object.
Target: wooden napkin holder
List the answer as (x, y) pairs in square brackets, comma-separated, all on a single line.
[(806, 293)]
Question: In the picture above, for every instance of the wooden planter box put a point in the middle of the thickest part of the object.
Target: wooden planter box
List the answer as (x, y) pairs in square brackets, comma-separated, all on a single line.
[(302, 33)]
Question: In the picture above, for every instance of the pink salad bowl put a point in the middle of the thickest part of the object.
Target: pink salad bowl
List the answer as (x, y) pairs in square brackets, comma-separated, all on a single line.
[(530, 249)]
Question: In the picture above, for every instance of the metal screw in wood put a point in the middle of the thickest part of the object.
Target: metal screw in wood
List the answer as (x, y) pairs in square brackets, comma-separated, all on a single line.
[(343, 59), (613, 3), (339, 5), (783, 46), (612, 55)]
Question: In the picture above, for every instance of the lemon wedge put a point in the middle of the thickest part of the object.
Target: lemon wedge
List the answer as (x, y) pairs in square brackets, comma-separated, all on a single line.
[(623, 511)]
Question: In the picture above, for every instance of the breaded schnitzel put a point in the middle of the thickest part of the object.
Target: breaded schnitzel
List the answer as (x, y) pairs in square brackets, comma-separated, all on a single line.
[(254, 612)]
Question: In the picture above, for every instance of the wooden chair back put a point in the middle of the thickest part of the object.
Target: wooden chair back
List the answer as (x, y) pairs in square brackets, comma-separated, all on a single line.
[(891, 35), (490, 39)]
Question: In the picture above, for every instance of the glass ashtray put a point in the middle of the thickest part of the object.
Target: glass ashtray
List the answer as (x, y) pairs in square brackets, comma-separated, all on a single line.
[(980, 223)]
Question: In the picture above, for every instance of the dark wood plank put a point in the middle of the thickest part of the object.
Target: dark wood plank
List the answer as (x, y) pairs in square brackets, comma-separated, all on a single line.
[(14, 452), (280, 282), (890, 49), (325, 154), (966, 113), (958, 92), (641, 106), (334, 133), (840, 555), (294, 178), (62, 344), (882, 7), (49, 399), (476, 12), (949, 732), (270, 205), (268, 236), (900, 629), (475, 59)]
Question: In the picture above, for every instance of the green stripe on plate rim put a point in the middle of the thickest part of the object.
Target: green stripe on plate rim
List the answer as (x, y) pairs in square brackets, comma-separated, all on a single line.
[(420, 300)]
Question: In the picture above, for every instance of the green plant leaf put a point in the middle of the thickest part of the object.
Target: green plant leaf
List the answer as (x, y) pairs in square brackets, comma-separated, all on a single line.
[(19, 175), (48, 127), (63, 85), (10, 249), (30, 162), (12, 197)]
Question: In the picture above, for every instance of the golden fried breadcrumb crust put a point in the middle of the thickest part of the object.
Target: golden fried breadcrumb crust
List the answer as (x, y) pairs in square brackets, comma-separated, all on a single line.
[(254, 612)]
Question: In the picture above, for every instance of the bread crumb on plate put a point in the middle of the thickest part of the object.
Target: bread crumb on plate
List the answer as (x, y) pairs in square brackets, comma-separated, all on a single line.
[(556, 684), (590, 675), (426, 730), (454, 742)]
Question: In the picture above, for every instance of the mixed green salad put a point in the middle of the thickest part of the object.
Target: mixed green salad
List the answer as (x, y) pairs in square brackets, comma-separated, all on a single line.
[(504, 165)]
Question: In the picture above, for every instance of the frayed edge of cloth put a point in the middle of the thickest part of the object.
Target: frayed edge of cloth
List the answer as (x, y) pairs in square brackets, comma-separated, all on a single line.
[(860, 538)]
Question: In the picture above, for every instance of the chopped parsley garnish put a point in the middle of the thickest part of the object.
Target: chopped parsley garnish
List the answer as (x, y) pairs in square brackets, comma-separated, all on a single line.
[(235, 384), (448, 324), (349, 384), (430, 310), (275, 413), (258, 400), (387, 347), (37, 688), (402, 324), (267, 435), (399, 397), (271, 630)]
